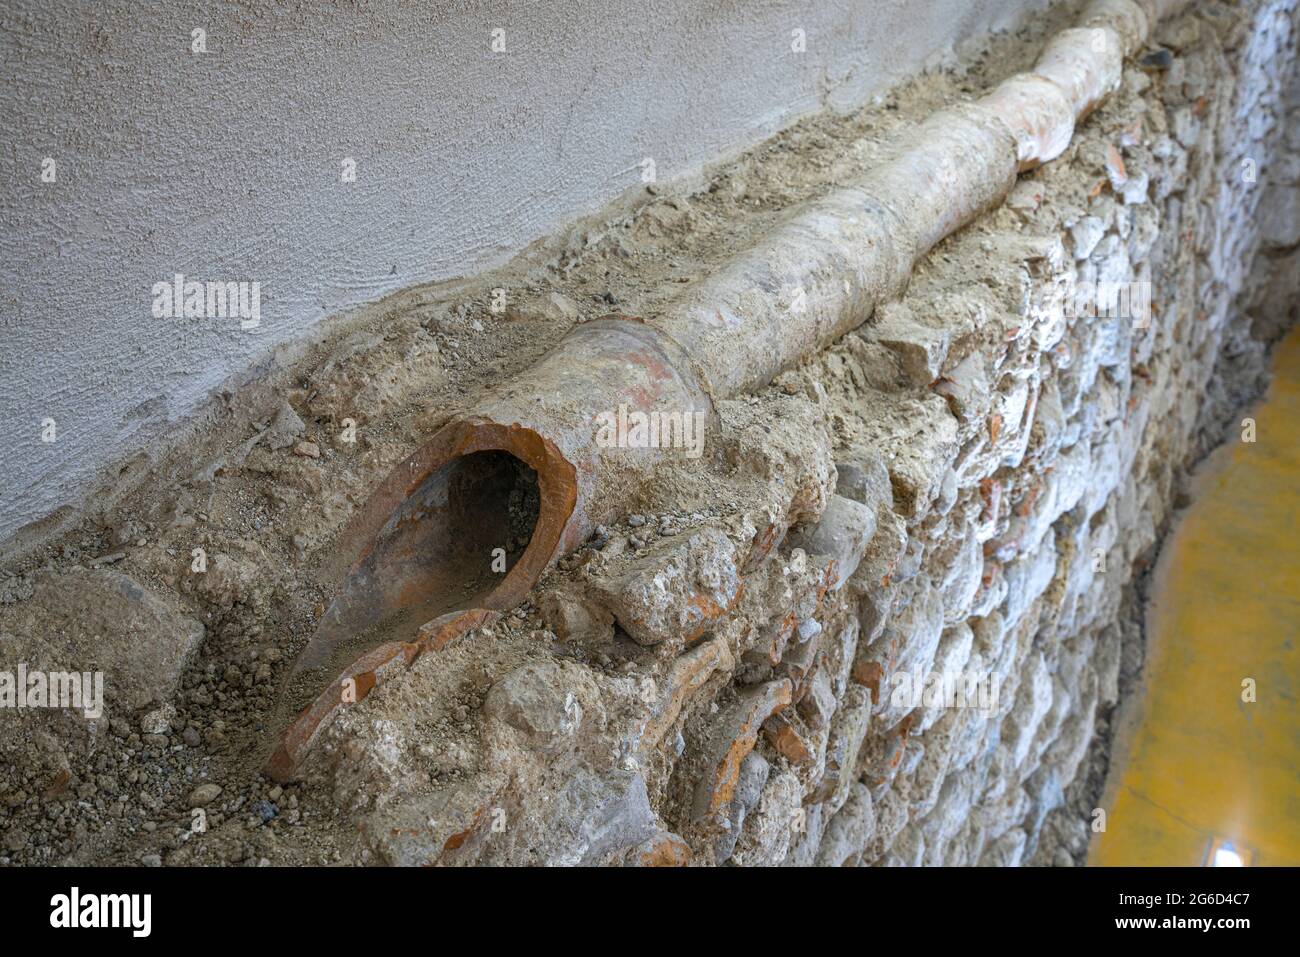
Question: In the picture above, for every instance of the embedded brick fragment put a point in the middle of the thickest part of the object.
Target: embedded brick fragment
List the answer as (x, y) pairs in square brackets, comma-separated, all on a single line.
[(786, 739), (688, 673), (440, 632), (868, 674), (733, 737), (881, 756), (765, 540), (664, 849)]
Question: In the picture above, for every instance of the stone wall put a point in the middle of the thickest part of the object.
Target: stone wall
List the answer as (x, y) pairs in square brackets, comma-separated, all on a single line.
[(971, 482)]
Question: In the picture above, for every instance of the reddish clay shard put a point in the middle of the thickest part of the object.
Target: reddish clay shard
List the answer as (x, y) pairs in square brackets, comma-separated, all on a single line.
[(353, 685), (688, 673), (358, 680), (443, 630), (786, 739), (736, 734), (705, 610), (664, 849), (765, 540), (869, 675)]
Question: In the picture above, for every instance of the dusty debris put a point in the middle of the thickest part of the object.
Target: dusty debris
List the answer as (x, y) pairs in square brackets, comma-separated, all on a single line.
[(89, 620)]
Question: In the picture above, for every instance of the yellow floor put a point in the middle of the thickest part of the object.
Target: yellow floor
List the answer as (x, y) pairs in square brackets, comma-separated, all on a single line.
[(1192, 760)]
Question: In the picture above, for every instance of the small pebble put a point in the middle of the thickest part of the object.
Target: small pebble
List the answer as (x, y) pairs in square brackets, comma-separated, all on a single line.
[(809, 628), (204, 795)]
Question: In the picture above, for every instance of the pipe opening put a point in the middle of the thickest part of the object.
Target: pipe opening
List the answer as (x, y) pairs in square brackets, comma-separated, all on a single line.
[(452, 543), (448, 545)]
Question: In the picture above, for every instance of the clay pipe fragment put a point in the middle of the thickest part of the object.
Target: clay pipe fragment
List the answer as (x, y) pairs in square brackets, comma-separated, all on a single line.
[(427, 533), (822, 272), (534, 463)]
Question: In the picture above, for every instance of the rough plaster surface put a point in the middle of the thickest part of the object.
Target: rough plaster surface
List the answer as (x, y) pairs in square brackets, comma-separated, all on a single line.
[(227, 166)]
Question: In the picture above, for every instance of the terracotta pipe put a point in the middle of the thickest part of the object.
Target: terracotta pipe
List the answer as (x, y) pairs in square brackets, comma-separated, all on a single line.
[(431, 526), (822, 272), (429, 531), (427, 570)]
